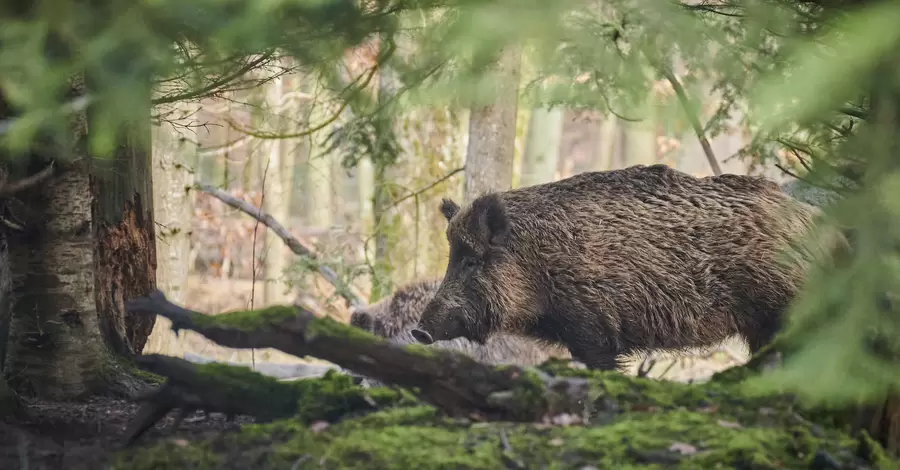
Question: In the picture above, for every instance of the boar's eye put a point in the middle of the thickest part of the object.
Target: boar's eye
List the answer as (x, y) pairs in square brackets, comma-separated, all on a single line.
[(469, 263)]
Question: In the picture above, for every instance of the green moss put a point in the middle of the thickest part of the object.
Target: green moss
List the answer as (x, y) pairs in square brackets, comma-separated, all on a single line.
[(416, 437), (334, 395), (638, 424), (326, 398), (330, 327), (146, 376), (168, 455), (249, 319)]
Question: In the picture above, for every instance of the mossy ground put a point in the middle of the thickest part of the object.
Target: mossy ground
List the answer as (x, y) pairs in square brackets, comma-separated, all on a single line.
[(637, 424)]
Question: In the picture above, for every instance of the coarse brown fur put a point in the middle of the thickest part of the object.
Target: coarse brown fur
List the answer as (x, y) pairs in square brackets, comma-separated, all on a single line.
[(393, 317), (620, 262)]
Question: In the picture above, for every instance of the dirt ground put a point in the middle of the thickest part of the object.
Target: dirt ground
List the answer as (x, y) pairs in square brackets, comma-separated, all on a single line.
[(84, 435)]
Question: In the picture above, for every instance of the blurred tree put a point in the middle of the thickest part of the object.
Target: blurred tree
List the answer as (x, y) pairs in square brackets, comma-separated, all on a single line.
[(545, 127), (492, 129)]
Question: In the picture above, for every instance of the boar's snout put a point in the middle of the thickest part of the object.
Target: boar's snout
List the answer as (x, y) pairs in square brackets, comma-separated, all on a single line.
[(422, 336), (439, 326)]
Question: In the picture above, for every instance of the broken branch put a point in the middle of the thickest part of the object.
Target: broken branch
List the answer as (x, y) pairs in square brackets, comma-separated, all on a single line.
[(453, 382), (344, 290)]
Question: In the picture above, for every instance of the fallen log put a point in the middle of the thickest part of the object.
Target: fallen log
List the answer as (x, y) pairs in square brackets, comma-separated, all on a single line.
[(270, 369), (456, 384), (237, 390)]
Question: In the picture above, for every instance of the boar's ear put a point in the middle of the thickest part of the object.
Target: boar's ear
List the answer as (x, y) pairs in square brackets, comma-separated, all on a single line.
[(449, 208), (362, 319), (489, 214)]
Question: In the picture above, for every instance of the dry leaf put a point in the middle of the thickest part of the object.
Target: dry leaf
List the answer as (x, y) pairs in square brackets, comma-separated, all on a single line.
[(728, 424), (318, 426), (682, 448), (556, 442)]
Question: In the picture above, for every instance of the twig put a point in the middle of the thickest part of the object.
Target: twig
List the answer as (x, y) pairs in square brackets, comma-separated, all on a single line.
[(292, 242), (262, 202), (7, 188), (646, 366), (853, 112), (427, 188), (692, 115)]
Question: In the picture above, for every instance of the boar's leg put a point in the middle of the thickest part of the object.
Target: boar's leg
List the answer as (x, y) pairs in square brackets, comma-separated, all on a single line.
[(596, 357), (760, 333)]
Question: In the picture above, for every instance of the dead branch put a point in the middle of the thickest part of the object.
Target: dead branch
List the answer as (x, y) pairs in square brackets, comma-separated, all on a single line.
[(344, 290), (7, 188), (693, 117), (428, 187), (453, 382)]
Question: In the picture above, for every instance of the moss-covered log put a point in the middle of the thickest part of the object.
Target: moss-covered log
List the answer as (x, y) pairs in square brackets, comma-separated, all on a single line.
[(240, 391), (636, 424), (453, 382)]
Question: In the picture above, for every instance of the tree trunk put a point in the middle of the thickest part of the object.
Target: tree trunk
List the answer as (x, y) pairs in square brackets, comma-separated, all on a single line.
[(277, 198), (606, 146), (8, 402), (318, 174), (382, 284), (125, 238), (492, 132), (545, 128), (640, 140), (56, 349), (172, 206)]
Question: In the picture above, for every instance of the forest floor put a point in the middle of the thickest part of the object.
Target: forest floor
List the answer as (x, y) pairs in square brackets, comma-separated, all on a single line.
[(83, 435)]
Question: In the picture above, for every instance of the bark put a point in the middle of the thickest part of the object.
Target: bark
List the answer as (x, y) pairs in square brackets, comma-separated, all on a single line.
[(545, 129), (8, 400), (5, 301), (492, 132), (56, 350), (172, 211), (125, 238)]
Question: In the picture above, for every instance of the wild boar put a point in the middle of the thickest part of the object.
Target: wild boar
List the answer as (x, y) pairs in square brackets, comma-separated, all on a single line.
[(620, 262), (394, 316)]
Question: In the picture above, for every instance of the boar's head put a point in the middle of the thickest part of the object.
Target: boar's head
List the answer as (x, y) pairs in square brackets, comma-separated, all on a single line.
[(363, 320), (483, 279)]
